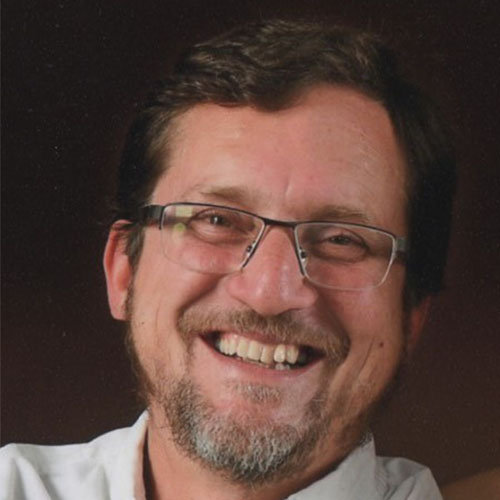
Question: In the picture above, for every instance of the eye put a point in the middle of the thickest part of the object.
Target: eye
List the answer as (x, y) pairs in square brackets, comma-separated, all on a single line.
[(218, 220), (221, 226), (336, 243), (337, 236), (343, 240)]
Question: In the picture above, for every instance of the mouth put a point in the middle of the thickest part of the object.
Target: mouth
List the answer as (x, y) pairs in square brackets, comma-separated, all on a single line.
[(266, 355)]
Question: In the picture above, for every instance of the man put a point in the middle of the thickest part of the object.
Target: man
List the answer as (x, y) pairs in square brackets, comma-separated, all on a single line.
[(282, 220)]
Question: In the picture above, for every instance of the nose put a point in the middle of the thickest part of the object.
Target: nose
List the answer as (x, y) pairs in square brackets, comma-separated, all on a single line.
[(271, 283)]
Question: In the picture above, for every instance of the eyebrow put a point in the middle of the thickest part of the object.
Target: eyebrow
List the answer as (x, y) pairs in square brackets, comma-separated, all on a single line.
[(229, 194), (242, 197), (339, 212)]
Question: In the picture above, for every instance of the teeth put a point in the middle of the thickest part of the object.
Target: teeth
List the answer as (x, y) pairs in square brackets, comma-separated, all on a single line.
[(280, 356), (281, 366), (242, 349), (292, 354), (223, 345), (267, 355), (254, 350), (233, 345)]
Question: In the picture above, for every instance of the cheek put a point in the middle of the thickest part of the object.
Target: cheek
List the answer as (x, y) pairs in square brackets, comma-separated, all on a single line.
[(367, 314), (381, 328), (373, 322), (161, 291)]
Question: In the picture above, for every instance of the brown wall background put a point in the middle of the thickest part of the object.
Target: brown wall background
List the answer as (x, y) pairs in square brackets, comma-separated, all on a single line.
[(73, 73)]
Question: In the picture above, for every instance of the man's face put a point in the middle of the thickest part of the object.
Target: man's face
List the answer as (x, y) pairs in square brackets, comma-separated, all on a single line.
[(333, 153)]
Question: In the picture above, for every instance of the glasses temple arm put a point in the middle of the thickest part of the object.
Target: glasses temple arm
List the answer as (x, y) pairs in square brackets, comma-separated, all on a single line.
[(401, 245), (151, 214)]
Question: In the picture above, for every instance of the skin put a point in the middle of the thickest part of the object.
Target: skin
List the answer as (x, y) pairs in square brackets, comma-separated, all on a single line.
[(335, 147)]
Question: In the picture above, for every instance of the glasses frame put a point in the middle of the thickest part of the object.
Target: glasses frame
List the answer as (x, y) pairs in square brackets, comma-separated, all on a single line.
[(153, 214)]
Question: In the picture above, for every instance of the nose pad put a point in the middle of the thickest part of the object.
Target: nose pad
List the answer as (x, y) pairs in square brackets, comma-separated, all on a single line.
[(271, 278), (303, 258), (250, 250)]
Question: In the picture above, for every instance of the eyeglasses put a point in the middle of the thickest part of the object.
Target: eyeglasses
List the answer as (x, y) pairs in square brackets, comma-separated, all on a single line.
[(221, 240)]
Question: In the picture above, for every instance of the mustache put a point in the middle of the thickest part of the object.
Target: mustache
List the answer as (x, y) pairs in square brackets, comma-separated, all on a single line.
[(284, 328)]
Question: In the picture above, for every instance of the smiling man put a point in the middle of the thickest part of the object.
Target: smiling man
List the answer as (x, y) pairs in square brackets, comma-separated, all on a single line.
[(283, 213)]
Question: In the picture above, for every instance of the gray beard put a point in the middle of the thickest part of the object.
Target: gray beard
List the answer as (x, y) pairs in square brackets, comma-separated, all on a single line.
[(247, 450)]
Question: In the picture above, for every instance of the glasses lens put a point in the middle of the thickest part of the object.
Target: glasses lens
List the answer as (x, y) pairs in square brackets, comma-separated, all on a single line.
[(207, 238), (345, 256)]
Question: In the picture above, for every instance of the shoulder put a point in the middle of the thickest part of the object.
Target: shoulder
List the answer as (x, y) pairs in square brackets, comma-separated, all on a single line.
[(406, 479), (51, 459), (56, 472)]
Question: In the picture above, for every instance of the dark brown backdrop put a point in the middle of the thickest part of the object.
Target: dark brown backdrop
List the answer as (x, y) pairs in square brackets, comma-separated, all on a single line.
[(74, 71)]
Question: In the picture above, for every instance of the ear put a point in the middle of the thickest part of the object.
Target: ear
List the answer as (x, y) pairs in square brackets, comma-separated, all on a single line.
[(416, 321), (118, 271)]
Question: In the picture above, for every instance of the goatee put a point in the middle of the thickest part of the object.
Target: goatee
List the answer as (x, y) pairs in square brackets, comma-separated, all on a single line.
[(247, 448)]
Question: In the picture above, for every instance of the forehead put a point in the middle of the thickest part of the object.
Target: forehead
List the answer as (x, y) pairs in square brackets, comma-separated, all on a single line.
[(334, 148)]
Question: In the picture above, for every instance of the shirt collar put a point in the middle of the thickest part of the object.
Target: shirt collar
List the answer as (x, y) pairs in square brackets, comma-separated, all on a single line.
[(127, 473), (357, 476)]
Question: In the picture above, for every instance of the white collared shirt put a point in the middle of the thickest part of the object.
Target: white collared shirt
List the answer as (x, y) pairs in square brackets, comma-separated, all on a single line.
[(110, 468)]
